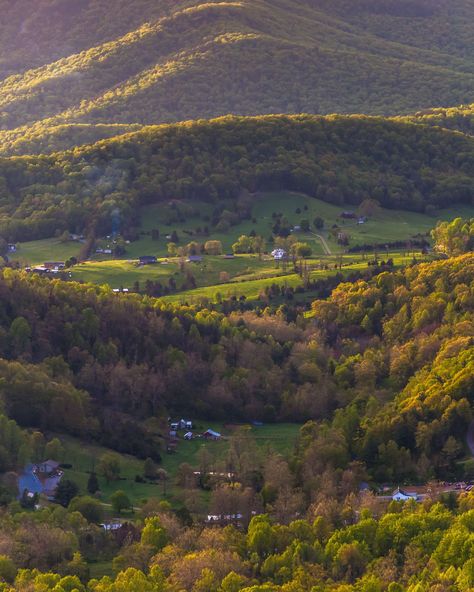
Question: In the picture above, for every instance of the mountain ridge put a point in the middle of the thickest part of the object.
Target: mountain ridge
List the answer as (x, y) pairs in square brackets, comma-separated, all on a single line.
[(202, 60), (339, 159)]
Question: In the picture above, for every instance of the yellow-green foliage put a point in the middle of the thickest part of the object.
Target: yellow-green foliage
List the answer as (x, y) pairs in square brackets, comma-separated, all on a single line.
[(339, 159), (459, 118), (147, 62)]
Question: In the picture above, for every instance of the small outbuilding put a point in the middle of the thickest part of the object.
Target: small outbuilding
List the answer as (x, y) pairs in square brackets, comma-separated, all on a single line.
[(147, 260), (211, 435)]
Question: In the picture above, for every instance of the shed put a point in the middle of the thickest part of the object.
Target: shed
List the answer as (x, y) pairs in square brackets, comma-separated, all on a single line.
[(212, 435), (147, 259)]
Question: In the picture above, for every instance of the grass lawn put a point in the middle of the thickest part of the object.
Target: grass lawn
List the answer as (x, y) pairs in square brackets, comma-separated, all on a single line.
[(99, 569), (49, 249), (253, 288), (123, 273), (84, 457)]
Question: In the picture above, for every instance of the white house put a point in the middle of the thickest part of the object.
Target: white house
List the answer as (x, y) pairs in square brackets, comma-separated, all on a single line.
[(279, 254), (399, 495)]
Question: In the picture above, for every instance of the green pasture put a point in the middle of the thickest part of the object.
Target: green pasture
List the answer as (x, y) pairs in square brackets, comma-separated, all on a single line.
[(385, 226), (84, 458), (250, 273), (253, 288), (123, 273), (49, 249)]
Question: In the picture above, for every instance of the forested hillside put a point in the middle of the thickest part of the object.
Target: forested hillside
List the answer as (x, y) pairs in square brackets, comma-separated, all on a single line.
[(150, 62), (389, 361), (424, 549), (457, 118), (383, 371), (342, 160)]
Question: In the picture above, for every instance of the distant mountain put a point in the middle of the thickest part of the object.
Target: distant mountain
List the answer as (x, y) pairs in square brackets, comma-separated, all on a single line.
[(146, 62)]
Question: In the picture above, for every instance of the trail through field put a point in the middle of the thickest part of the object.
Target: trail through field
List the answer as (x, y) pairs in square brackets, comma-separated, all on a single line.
[(327, 250)]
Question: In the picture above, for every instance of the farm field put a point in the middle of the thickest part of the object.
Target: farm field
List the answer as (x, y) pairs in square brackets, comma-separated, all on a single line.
[(84, 458), (253, 288), (245, 275), (123, 273), (385, 226), (49, 249)]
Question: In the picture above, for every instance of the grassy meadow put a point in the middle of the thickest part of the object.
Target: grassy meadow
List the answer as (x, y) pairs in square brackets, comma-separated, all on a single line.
[(84, 458), (246, 275)]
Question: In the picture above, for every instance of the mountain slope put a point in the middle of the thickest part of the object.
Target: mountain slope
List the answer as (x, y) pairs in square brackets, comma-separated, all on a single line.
[(189, 60), (340, 159), (457, 118)]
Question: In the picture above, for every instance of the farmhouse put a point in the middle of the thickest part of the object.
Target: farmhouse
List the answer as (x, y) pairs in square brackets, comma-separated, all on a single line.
[(399, 495), (47, 467), (112, 525), (182, 424), (147, 260), (41, 478)]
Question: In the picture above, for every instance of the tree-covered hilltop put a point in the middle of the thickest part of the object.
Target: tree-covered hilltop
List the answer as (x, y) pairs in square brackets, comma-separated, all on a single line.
[(456, 118), (409, 332), (148, 62), (39, 139), (339, 159), (46, 137)]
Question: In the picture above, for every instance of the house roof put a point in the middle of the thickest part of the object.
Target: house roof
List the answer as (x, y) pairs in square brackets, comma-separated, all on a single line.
[(50, 464), (399, 491), (212, 433)]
